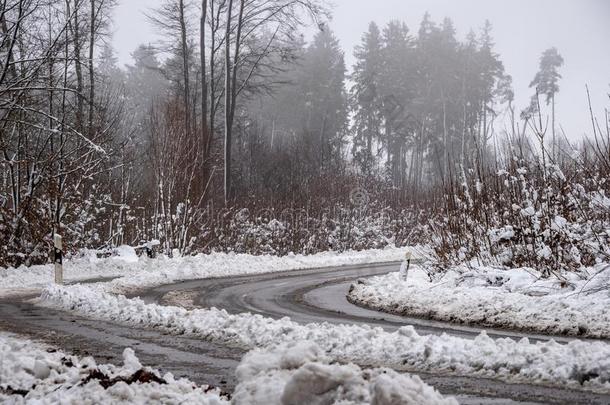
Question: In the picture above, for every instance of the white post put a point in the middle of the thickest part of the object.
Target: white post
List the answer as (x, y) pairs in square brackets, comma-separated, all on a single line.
[(408, 255), (58, 259)]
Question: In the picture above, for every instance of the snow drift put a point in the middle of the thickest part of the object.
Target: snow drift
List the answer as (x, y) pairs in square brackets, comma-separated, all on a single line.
[(516, 299), (578, 364)]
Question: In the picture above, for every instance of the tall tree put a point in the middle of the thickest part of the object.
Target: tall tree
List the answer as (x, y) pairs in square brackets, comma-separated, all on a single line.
[(172, 18), (247, 57), (397, 94), (492, 70), (366, 99), (546, 83), (325, 99)]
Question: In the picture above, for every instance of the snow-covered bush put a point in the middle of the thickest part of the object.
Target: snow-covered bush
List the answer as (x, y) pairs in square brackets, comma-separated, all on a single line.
[(529, 213), (281, 232), (26, 236)]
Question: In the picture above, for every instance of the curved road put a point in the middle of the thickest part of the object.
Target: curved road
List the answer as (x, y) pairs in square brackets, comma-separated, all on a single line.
[(316, 295)]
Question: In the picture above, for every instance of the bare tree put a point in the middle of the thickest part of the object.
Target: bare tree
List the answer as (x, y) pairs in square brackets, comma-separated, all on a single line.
[(47, 150), (245, 57)]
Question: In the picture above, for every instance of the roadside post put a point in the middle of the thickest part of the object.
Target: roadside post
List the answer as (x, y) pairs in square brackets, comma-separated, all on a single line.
[(58, 259), (408, 256)]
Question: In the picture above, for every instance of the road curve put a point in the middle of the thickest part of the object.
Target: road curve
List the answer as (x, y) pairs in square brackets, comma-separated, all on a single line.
[(316, 295), (319, 295)]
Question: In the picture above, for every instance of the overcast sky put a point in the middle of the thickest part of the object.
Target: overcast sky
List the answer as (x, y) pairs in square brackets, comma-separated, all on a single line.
[(523, 29)]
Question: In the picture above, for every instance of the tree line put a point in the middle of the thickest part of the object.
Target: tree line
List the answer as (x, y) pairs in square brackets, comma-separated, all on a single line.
[(233, 109)]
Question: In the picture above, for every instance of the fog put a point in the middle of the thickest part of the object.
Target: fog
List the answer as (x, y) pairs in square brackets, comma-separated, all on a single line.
[(522, 30), (120, 130)]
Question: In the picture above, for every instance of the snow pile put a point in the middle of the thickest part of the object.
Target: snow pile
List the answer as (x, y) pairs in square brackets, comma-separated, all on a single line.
[(133, 272), (575, 364), (300, 373), (515, 299), (33, 373), (297, 373), (126, 253)]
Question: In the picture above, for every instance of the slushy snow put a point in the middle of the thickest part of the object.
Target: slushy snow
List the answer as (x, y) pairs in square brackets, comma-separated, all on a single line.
[(295, 374), (33, 373), (301, 373)]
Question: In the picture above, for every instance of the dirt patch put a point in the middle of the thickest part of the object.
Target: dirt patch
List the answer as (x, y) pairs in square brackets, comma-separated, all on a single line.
[(141, 376), (183, 299)]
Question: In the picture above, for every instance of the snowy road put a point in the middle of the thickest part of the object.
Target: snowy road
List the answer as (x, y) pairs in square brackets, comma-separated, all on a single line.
[(305, 296), (320, 296)]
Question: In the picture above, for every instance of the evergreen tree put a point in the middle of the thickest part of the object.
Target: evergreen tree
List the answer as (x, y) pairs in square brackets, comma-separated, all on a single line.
[(397, 91), (492, 71), (546, 83), (325, 97), (547, 78), (365, 98), (295, 134), (108, 67)]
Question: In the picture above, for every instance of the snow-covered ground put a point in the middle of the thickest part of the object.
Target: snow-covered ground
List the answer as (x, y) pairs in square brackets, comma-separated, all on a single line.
[(578, 364), (299, 373), (133, 272), (31, 372), (487, 293), (514, 299)]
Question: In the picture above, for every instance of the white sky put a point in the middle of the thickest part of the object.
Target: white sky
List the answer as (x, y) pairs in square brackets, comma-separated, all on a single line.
[(523, 29)]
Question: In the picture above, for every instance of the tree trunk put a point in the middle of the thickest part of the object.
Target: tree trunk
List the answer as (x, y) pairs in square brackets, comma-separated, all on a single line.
[(185, 67), (204, 82), (553, 126), (214, 17), (231, 90), (228, 123), (78, 68), (91, 71)]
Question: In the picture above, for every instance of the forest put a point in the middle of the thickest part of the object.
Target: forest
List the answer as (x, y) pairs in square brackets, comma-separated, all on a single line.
[(244, 131)]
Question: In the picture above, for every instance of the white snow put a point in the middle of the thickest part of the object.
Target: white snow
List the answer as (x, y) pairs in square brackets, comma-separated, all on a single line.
[(133, 272), (300, 373), (516, 299), (293, 374), (528, 212), (559, 222), (504, 233), (578, 364), (34, 373), (126, 253)]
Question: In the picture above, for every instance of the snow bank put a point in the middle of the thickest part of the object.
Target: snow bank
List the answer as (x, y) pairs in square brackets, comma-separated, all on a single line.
[(143, 272), (515, 299), (577, 364), (33, 373), (296, 374), (300, 373)]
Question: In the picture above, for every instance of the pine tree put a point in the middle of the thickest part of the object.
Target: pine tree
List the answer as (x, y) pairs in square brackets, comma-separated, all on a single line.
[(326, 101), (546, 82), (365, 97), (492, 70), (397, 91), (107, 66)]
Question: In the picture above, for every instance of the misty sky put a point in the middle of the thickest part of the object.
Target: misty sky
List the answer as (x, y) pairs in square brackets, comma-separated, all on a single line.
[(523, 29)]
